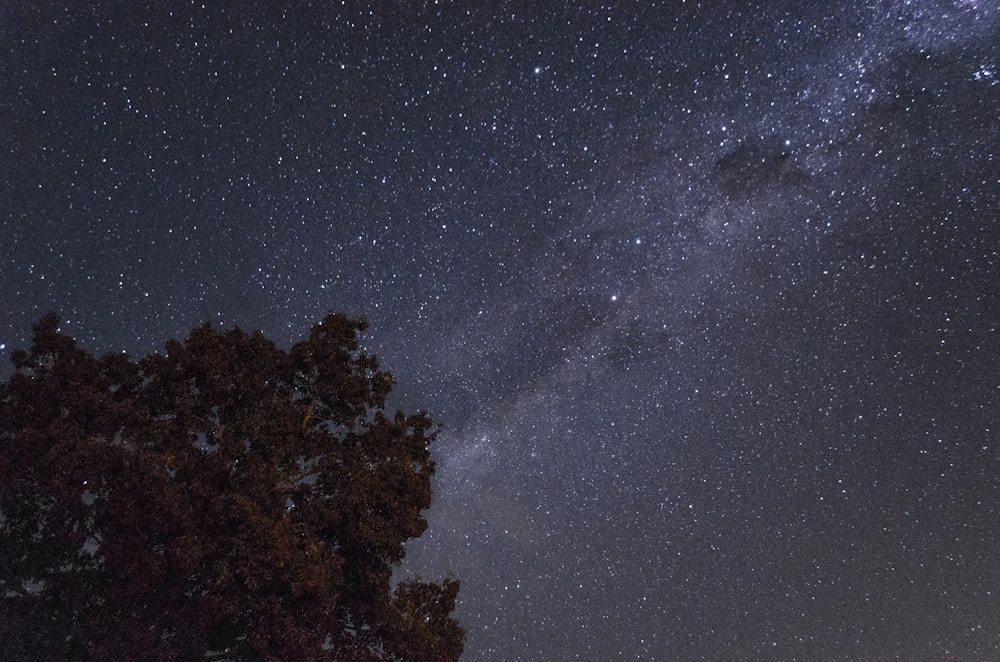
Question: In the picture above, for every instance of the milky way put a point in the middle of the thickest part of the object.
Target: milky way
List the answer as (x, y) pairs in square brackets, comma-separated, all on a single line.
[(705, 298)]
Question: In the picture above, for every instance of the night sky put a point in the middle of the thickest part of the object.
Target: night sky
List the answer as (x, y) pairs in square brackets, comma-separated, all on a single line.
[(706, 295)]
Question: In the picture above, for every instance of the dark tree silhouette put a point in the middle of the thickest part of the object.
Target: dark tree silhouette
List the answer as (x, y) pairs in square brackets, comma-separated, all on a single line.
[(224, 500)]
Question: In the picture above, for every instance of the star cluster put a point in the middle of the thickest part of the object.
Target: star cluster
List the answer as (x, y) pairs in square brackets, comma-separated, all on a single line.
[(705, 295)]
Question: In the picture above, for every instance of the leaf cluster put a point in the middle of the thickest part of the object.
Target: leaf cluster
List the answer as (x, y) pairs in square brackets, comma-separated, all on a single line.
[(226, 499)]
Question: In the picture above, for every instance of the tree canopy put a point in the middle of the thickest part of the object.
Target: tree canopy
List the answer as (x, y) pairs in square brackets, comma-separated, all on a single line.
[(226, 499)]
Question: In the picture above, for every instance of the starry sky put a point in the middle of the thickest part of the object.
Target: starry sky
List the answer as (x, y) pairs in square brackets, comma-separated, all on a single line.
[(706, 295)]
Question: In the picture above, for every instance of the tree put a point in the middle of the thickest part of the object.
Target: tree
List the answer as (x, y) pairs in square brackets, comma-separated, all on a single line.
[(224, 500)]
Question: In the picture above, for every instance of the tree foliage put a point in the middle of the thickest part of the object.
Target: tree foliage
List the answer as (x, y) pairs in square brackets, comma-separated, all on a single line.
[(226, 499)]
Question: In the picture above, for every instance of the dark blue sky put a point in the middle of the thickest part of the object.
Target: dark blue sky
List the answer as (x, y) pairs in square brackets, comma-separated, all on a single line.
[(706, 295)]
